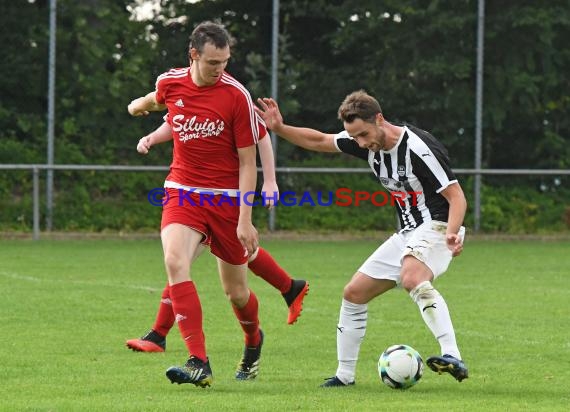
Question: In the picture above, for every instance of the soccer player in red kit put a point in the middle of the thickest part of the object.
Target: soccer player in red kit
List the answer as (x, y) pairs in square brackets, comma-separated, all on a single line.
[(215, 131), (261, 263)]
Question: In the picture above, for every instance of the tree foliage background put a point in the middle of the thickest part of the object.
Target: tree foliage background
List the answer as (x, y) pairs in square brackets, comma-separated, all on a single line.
[(417, 57)]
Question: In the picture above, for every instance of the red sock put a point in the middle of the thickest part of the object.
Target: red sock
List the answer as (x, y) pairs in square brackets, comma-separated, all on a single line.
[(249, 321), (267, 268), (188, 315), (165, 316)]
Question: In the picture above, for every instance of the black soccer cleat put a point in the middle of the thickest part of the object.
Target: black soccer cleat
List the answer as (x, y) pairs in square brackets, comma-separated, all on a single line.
[(447, 363), (195, 371), (335, 382), (248, 368)]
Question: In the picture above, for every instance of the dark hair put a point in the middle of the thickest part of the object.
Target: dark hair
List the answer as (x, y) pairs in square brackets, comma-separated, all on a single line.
[(210, 32), (359, 105)]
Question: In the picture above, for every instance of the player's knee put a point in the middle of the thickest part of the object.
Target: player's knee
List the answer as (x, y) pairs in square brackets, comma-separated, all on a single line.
[(238, 297), (174, 264), (408, 281), (414, 273), (352, 293), (238, 302)]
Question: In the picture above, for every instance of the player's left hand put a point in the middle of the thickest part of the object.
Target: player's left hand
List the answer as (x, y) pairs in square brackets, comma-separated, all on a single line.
[(247, 235), (454, 243), (270, 194)]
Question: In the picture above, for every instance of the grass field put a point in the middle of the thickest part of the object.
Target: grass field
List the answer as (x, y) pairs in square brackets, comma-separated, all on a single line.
[(67, 308)]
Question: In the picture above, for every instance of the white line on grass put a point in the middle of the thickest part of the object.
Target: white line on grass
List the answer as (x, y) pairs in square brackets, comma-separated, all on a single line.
[(17, 276)]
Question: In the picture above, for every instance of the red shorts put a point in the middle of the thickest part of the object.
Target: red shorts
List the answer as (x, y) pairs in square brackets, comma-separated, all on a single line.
[(216, 217)]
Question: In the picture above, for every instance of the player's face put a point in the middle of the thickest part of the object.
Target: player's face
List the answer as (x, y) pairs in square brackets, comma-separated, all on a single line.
[(210, 64), (368, 135)]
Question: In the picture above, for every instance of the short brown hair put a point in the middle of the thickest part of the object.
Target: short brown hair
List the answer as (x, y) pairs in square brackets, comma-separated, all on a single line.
[(210, 32), (361, 105)]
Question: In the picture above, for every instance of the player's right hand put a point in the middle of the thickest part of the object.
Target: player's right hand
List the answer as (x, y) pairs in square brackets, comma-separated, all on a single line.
[(144, 145), (134, 109)]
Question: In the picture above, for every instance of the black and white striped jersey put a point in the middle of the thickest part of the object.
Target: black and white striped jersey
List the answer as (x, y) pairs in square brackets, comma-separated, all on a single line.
[(418, 166)]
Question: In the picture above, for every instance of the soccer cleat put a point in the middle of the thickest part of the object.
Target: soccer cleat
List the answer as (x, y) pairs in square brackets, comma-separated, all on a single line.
[(450, 364), (294, 298), (248, 368), (151, 342), (334, 382), (195, 371)]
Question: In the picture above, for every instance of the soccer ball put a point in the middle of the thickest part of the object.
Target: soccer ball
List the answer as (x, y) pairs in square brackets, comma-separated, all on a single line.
[(400, 366)]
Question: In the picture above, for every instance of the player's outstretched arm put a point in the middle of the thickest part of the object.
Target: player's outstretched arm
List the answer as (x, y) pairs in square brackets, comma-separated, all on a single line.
[(304, 137), (269, 188), (160, 135), (143, 105)]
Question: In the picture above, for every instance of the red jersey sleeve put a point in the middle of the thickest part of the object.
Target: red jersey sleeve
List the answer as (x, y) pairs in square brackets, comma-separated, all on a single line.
[(246, 127), (164, 80), (160, 90)]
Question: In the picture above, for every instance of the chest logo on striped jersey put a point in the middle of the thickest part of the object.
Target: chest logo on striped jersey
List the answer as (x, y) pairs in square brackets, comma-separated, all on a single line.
[(401, 170), (391, 184)]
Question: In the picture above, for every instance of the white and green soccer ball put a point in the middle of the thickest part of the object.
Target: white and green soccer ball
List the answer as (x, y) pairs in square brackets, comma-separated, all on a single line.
[(400, 366)]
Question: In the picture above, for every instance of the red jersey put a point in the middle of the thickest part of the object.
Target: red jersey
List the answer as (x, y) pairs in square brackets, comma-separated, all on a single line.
[(209, 124)]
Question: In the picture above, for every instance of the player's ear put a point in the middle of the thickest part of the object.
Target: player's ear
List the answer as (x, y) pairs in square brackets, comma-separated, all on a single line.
[(193, 54), (379, 119)]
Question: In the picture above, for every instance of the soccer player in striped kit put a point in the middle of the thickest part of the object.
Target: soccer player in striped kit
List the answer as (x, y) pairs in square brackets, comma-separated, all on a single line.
[(403, 159), (215, 132)]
